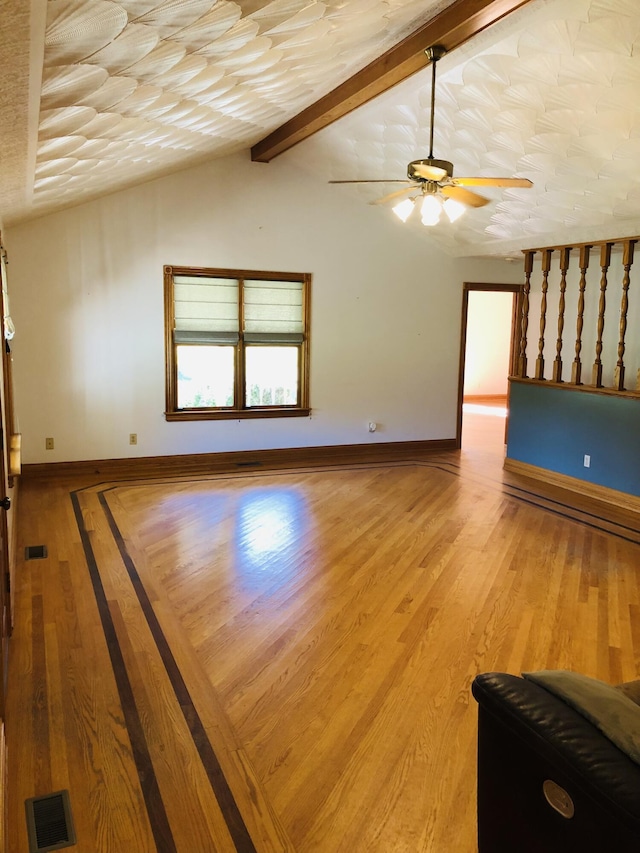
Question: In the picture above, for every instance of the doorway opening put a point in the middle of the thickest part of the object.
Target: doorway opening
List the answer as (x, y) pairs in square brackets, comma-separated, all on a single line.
[(487, 359)]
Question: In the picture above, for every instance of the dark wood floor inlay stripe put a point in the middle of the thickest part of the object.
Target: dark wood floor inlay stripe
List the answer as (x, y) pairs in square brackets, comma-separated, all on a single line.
[(224, 796), (563, 508), (156, 811)]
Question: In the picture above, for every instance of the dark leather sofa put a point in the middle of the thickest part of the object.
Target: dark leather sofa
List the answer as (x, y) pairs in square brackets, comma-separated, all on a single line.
[(549, 780)]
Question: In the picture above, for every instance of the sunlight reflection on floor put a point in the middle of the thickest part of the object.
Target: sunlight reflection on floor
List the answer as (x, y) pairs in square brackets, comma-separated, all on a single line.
[(271, 523)]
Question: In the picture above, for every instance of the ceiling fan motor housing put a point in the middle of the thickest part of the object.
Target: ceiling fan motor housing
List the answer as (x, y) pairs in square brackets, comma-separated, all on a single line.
[(429, 169)]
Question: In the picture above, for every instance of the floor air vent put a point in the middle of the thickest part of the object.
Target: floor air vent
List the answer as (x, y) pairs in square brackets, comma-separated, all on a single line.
[(49, 822), (35, 552)]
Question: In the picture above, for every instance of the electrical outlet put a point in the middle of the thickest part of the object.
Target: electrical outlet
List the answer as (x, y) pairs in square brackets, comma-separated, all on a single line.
[(48, 444), (133, 438), (373, 426), (587, 461)]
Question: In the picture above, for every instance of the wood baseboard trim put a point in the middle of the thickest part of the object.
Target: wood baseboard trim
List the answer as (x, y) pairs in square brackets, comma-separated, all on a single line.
[(245, 460), (495, 399), (572, 484)]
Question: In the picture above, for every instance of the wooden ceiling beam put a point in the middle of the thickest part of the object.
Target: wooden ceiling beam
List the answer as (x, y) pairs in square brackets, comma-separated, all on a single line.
[(452, 27)]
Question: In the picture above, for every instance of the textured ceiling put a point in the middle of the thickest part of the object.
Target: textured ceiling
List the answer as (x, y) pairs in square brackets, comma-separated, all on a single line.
[(133, 89), (130, 89)]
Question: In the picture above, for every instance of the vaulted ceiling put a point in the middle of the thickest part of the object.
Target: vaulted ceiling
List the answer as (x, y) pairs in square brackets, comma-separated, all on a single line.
[(102, 94)]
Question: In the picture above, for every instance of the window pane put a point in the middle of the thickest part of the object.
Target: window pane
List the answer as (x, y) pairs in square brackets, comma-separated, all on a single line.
[(272, 376), (205, 376)]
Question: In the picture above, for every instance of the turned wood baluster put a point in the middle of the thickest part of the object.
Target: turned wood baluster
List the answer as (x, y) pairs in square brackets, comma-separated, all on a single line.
[(524, 315), (564, 266), (605, 261), (576, 370), (546, 266), (627, 260)]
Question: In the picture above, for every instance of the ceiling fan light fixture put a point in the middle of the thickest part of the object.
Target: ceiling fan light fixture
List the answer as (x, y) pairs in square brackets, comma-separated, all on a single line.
[(403, 209), (430, 209), (453, 209)]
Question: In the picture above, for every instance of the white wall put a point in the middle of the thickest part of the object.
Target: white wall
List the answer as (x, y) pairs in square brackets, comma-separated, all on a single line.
[(87, 300), (489, 320)]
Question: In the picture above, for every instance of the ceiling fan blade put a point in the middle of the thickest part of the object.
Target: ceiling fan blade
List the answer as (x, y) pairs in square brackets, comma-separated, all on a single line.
[(464, 196), (429, 173), (493, 182), (374, 181), (395, 194)]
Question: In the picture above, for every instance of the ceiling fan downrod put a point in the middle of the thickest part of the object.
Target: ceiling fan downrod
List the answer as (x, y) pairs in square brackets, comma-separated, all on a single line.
[(433, 53)]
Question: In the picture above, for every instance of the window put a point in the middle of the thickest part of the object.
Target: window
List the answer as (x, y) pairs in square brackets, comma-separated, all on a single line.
[(237, 343)]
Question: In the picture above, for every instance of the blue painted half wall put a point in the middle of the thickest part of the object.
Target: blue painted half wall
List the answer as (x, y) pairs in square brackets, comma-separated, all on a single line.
[(554, 428)]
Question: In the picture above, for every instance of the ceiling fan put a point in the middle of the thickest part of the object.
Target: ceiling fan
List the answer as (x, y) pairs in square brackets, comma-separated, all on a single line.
[(433, 179)]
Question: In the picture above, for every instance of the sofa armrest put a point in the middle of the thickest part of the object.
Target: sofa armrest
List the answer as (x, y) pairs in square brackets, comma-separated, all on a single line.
[(526, 736)]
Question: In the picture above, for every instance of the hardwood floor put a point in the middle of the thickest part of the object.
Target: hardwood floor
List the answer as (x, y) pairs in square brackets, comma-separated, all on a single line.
[(282, 661)]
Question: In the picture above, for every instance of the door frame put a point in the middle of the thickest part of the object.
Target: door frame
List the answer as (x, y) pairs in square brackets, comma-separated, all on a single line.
[(467, 288), (6, 612)]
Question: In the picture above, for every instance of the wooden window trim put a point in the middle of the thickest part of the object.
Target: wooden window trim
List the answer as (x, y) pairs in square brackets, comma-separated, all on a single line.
[(238, 411)]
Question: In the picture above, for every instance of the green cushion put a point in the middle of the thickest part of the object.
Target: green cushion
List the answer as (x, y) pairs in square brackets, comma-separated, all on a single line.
[(617, 716)]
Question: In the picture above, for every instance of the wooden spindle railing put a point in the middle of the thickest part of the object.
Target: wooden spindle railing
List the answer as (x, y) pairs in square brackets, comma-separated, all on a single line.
[(524, 320), (576, 371), (605, 262), (546, 266), (564, 268), (627, 260), (624, 249)]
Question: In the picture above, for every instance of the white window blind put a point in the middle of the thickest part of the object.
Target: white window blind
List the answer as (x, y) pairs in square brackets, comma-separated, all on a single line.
[(273, 312), (206, 310)]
